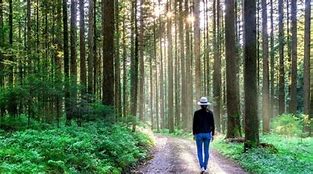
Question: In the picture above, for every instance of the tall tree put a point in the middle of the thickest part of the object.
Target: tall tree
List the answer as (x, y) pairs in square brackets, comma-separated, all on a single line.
[(134, 61), (307, 66), (125, 72), (265, 101), (281, 58), (183, 66), (141, 62), (233, 111), (170, 68), (108, 52), (293, 87), (272, 63), (217, 64), (197, 48), (91, 47), (66, 59), (250, 85), (83, 77), (117, 63), (73, 59)]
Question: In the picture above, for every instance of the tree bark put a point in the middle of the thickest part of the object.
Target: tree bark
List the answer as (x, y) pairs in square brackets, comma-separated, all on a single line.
[(108, 52), (250, 84), (272, 64), (197, 49), (73, 41), (66, 60), (306, 73), (141, 63), (281, 58), (170, 70), (91, 35), (233, 111), (293, 90), (83, 77), (265, 92), (217, 65)]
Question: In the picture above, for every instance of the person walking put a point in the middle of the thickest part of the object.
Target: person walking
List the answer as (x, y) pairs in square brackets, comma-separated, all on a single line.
[(203, 130)]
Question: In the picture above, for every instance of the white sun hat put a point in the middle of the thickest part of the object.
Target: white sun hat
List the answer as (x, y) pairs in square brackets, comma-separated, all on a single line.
[(203, 101)]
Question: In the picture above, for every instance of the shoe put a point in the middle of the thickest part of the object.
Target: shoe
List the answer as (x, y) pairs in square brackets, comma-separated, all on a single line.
[(202, 170)]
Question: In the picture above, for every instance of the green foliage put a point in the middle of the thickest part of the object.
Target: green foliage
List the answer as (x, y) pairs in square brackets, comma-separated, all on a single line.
[(287, 124), (295, 155), (93, 148)]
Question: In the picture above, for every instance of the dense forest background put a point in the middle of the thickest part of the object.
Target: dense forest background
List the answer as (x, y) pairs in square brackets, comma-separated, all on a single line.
[(152, 60)]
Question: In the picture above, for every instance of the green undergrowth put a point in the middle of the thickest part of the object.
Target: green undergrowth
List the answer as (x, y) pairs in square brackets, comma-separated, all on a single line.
[(93, 148), (294, 156)]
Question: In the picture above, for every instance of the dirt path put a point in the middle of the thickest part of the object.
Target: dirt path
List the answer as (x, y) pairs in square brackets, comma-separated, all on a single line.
[(176, 155)]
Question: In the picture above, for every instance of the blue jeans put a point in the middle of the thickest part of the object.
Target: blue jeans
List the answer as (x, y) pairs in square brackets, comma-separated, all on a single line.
[(203, 142)]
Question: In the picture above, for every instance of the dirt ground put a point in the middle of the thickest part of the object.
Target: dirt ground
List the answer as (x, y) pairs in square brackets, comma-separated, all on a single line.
[(177, 155)]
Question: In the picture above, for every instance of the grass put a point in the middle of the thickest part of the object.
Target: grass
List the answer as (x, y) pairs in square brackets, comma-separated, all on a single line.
[(93, 148), (295, 155)]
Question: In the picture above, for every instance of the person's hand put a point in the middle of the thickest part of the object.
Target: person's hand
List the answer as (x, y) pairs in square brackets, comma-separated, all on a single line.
[(212, 138), (194, 138)]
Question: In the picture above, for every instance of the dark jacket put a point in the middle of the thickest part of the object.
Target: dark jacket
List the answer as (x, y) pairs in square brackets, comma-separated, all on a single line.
[(203, 122)]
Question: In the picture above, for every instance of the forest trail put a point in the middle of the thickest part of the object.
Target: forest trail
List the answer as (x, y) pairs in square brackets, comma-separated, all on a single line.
[(177, 155)]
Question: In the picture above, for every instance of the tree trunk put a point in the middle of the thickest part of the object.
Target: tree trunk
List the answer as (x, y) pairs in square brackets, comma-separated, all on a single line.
[(83, 77), (117, 64), (307, 40), (73, 65), (183, 103), (293, 90), (281, 58), (170, 70), (266, 117), (134, 63), (156, 78), (217, 65), (108, 52), (141, 63), (250, 85), (272, 64), (91, 44), (233, 111), (66, 60), (197, 49), (125, 84)]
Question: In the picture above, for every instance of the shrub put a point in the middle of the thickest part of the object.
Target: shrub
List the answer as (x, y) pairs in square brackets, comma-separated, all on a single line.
[(287, 124), (93, 148)]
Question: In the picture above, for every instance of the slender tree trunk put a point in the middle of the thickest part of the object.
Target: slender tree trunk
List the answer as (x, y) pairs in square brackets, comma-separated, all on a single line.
[(250, 84), (197, 49), (265, 101), (170, 70), (272, 63), (117, 64), (108, 52), (183, 103), (91, 44), (83, 77), (73, 64), (66, 60), (177, 74), (217, 65), (293, 90), (156, 78), (233, 111), (125, 84), (307, 66), (141, 63), (281, 58), (134, 63)]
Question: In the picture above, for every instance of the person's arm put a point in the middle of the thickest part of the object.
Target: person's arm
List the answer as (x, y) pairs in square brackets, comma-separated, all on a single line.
[(194, 124), (212, 125)]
